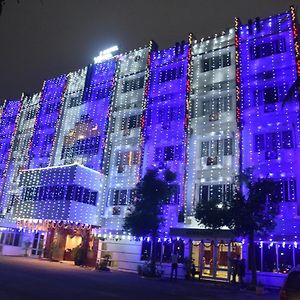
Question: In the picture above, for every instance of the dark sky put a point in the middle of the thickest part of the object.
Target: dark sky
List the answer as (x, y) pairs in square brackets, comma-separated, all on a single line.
[(41, 39)]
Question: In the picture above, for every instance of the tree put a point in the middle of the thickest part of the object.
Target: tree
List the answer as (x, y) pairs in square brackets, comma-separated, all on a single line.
[(245, 214), (145, 217)]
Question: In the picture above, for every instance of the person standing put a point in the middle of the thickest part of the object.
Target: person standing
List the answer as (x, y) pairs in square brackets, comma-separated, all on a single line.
[(174, 266), (241, 272), (235, 268)]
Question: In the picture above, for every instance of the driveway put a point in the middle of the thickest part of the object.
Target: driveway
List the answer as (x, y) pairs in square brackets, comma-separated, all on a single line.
[(33, 279)]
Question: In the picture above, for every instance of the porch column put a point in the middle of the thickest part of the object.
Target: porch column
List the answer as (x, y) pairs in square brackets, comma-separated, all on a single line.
[(215, 258)]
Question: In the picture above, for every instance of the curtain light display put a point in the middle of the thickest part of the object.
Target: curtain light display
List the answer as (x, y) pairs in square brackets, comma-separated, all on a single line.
[(10, 111), (46, 122), (62, 193), (269, 128), (26, 118), (164, 123), (212, 147), (124, 136), (207, 109)]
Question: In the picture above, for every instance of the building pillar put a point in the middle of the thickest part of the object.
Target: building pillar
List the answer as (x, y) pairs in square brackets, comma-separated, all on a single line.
[(215, 258), (229, 261)]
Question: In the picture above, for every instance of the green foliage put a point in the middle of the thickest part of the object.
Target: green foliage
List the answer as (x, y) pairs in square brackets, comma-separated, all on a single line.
[(243, 214), (153, 191), (257, 211), (213, 214), (246, 214), (145, 217), (54, 250), (79, 254)]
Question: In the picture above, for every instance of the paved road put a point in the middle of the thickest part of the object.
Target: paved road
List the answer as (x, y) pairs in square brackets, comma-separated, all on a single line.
[(32, 279)]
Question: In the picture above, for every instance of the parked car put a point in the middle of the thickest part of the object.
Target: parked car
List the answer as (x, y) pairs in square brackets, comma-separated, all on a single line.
[(291, 286)]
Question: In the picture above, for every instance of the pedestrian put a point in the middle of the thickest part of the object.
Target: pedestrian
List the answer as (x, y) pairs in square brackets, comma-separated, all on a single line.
[(241, 272), (193, 270), (174, 266), (235, 267), (202, 267)]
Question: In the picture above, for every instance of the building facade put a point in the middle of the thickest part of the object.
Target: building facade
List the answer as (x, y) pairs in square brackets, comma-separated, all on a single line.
[(208, 109)]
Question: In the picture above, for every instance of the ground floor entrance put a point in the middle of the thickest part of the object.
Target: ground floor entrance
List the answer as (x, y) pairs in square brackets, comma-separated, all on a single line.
[(213, 259)]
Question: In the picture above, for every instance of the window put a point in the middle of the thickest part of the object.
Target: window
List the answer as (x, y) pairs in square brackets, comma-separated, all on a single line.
[(131, 122), (259, 142), (287, 139), (216, 62), (169, 114), (103, 93), (273, 141), (285, 189), (270, 95), (267, 48), (215, 148), (269, 259), (228, 146), (169, 153), (87, 146), (164, 250), (52, 107), (132, 196), (146, 250), (276, 257), (127, 158), (122, 197), (220, 192), (159, 153), (204, 148), (179, 248), (49, 138), (205, 108), (75, 101), (12, 238), (133, 84), (285, 259), (30, 114), (119, 197), (179, 152), (203, 193), (66, 193), (216, 105), (171, 74), (167, 251), (174, 199)]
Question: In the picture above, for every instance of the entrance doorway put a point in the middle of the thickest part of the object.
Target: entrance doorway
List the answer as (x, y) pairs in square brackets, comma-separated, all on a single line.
[(38, 244), (72, 242), (212, 258)]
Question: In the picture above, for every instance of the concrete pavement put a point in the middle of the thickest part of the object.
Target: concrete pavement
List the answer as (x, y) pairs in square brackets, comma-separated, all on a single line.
[(33, 279)]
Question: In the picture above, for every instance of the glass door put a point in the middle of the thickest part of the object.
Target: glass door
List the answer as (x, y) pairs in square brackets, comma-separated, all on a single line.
[(38, 244), (222, 260), (208, 261)]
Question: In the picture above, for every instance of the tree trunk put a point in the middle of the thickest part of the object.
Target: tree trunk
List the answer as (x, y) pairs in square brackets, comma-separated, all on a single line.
[(252, 259), (153, 257)]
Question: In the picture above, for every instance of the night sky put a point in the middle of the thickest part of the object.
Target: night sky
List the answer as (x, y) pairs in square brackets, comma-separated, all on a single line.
[(41, 39)]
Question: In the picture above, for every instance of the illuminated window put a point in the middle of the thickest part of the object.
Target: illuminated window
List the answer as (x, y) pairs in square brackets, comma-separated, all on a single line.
[(133, 84), (171, 74), (218, 192), (259, 142), (228, 146), (216, 62), (272, 141), (267, 49)]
